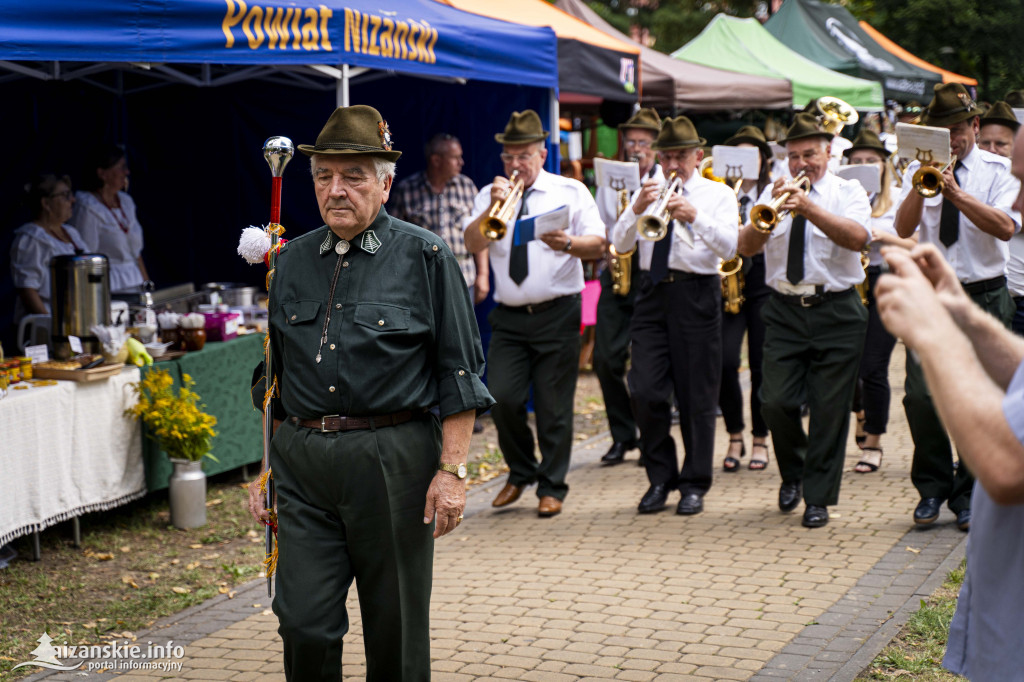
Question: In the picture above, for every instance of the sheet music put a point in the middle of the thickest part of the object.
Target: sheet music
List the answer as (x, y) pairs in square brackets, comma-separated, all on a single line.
[(927, 144), (736, 162), (617, 175)]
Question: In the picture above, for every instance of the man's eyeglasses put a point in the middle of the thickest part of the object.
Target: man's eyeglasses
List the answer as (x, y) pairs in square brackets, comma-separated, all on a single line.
[(643, 144), (66, 194), (522, 158)]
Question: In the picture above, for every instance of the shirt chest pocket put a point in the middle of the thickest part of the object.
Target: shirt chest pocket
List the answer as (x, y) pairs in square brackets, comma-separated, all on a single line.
[(382, 317), (821, 246), (300, 312)]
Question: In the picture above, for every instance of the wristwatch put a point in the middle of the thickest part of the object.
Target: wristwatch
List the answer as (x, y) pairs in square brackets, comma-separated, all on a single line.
[(568, 245), (457, 470)]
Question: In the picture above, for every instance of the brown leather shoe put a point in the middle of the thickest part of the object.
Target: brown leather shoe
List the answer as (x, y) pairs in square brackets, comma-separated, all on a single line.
[(549, 506), (509, 494)]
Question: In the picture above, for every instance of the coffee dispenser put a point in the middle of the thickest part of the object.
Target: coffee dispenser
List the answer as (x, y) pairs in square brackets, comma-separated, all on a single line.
[(80, 291)]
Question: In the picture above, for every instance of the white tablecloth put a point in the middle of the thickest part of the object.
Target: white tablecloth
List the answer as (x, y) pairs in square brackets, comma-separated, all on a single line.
[(66, 450)]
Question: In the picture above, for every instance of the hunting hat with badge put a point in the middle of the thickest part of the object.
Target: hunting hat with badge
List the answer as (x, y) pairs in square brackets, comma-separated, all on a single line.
[(523, 127), (950, 105), (1000, 113), (805, 126), (357, 129), (751, 135), (678, 133), (645, 119), (867, 139)]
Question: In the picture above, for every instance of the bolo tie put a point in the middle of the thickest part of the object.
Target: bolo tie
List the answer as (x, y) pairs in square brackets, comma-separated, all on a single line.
[(341, 248)]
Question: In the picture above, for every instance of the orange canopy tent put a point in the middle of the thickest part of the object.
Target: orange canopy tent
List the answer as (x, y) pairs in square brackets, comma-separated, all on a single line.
[(947, 76), (591, 64)]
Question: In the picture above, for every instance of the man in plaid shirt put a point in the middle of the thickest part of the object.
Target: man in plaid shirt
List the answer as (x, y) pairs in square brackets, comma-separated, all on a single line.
[(437, 199)]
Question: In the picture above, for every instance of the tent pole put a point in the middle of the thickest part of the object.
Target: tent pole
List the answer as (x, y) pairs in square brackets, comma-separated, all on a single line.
[(341, 88), (555, 140)]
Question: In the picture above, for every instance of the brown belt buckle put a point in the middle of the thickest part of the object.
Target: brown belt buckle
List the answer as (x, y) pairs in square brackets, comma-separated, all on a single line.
[(806, 302), (323, 424)]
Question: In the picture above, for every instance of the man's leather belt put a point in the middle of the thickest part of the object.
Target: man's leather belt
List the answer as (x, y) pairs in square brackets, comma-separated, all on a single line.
[(336, 422), (683, 275), (984, 285), (809, 301), (534, 308)]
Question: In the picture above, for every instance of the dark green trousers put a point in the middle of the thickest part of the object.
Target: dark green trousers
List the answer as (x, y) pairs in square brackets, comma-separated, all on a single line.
[(812, 355), (542, 351), (350, 506), (611, 352), (932, 468)]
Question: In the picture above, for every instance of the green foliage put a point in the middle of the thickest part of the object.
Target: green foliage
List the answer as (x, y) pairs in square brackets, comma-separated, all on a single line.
[(672, 23), (969, 37)]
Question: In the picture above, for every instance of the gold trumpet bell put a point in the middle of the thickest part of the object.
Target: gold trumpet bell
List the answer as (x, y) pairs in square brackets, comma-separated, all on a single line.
[(764, 217), (835, 113), (928, 181), (494, 225)]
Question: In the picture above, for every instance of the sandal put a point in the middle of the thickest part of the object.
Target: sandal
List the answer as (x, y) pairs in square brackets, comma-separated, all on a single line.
[(731, 464), (860, 435), (755, 463), (868, 467)]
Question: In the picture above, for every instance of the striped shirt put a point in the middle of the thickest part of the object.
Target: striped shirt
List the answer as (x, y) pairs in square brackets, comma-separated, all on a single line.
[(413, 201)]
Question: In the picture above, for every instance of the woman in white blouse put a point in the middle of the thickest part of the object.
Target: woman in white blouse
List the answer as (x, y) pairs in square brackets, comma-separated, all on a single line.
[(105, 215), (874, 391), (37, 242)]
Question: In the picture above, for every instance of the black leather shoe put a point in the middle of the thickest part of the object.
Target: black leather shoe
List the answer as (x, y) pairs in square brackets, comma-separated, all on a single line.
[(692, 503), (963, 520), (815, 516), (653, 500), (616, 453), (928, 510), (789, 496)]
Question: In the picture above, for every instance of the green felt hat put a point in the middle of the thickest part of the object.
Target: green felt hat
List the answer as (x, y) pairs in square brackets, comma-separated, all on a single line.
[(645, 119), (867, 139), (751, 135), (950, 105), (678, 133), (1001, 113), (1015, 98), (357, 129), (805, 126), (523, 127)]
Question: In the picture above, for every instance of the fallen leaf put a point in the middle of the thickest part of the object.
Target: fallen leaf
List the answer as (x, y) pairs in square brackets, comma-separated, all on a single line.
[(214, 503), (256, 606), (197, 546), (914, 550), (252, 534), (89, 625), (126, 549), (129, 580), (154, 576), (222, 590), (267, 612), (231, 594), (103, 556), (181, 590), (175, 562), (194, 564)]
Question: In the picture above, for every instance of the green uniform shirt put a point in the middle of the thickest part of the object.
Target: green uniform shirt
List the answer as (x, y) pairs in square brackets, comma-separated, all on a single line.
[(402, 333)]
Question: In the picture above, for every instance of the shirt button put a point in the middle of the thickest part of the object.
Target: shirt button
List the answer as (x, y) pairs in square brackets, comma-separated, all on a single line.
[(332, 346), (434, 247), (331, 389), (380, 322), (345, 264), (293, 317), (337, 306), (462, 373)]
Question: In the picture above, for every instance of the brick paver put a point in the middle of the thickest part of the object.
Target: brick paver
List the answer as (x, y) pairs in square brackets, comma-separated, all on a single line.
[(738, 592)]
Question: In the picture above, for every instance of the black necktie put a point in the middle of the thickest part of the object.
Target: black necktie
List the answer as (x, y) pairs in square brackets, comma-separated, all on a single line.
[(795, 261), (518, 263), (659, 259), (949, 219), (744, 203)]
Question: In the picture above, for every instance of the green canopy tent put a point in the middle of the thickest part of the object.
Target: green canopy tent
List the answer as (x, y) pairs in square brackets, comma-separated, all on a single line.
[(744, 46), (832, 37)]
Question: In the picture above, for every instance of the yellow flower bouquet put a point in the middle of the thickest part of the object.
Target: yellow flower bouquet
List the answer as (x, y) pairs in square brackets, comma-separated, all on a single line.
[(176, 421)]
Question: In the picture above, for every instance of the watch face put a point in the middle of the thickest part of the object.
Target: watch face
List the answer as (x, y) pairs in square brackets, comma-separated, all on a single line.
[(462, 471)]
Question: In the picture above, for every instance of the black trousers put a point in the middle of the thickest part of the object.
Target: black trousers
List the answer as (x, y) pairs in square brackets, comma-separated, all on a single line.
[(932, 467), (734, 326), (677, 347), (874, 365), (542, 351), (611, 353), (811, 355)]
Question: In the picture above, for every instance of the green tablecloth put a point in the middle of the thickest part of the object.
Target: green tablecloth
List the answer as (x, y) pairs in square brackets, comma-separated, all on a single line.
[(222, 372)]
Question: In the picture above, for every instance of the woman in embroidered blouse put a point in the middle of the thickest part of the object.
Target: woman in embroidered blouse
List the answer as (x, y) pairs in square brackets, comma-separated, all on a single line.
[(105, 215), (37, 242)]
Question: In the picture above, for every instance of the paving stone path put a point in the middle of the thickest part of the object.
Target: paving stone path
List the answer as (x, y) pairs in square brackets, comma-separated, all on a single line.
[(739, 592)]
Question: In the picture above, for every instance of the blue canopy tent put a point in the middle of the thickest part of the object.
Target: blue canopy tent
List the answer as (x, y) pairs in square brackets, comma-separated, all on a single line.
[(193, 87)]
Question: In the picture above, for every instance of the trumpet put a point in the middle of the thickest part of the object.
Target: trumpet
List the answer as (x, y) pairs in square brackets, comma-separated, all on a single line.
[(707, 171), (927, 181), (835, 113), (732, 283), (764, 217), (495, 224), (654, 226)]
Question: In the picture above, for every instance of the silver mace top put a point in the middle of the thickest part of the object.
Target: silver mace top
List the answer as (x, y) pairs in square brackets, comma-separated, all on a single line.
[(278, 152)]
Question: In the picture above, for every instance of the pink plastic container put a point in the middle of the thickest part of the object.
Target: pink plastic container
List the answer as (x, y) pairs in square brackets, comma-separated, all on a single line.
[(221, 326)]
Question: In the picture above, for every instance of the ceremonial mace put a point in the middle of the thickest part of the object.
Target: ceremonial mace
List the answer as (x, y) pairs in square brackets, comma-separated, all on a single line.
[(278, 152)]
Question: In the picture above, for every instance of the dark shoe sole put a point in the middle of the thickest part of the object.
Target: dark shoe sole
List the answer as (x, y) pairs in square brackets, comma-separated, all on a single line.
[(652, 510), (927, 521), (689, 512), (814, 524)]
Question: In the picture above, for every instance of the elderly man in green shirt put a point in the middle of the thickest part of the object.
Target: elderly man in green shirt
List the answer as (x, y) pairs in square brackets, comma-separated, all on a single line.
[(371, 326)]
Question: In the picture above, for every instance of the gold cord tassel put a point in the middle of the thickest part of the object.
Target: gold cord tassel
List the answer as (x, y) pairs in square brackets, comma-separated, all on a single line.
[(270, 561)]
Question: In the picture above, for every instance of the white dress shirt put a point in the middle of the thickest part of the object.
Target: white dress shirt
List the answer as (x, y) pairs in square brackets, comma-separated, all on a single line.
[(976, 255), (825, 262), (1015, 265), (715, 229), (608, 199), (114, 233), (551, 273), (884, 223), (31, 252), (839, 145)]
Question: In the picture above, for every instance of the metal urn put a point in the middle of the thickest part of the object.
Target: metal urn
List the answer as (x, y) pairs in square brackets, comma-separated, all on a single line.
[(80, 290)]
